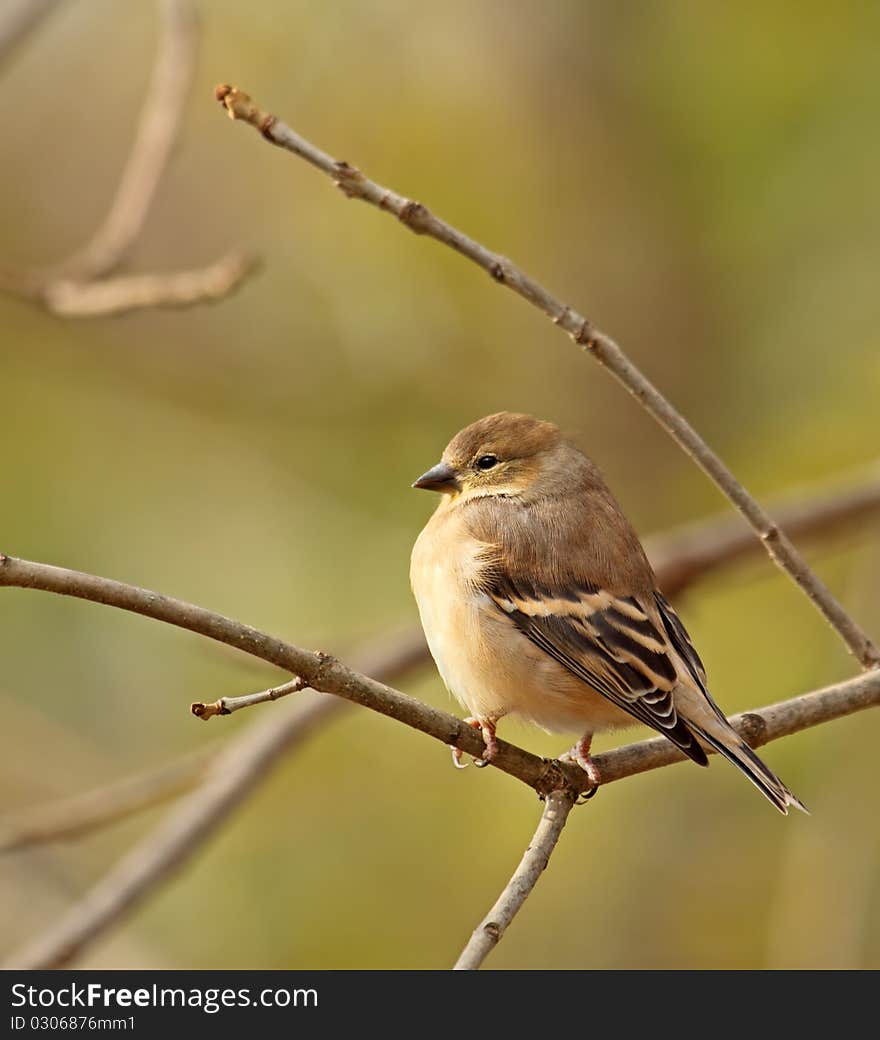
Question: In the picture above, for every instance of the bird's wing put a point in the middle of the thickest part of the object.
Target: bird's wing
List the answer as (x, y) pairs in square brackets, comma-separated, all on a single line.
[(681, 643), (624, 647)]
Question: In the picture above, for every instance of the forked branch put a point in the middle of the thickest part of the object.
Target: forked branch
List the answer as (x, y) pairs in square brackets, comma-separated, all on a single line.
[(329, 675), (681, 557), (80, 286)]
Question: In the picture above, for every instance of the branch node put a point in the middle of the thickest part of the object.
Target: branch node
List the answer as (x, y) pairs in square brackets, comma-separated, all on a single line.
[(770, 534), (325, 661), (496, 269), (753, 728), (413, 215), (562, 315), (266, 124), (585, 335), (348, 179), (552, 779)]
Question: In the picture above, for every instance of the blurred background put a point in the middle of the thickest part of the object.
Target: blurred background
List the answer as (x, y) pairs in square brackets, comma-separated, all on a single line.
[(701, 180)]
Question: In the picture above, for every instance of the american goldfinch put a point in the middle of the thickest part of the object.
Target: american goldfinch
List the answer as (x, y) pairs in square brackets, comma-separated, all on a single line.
[(537, 600)]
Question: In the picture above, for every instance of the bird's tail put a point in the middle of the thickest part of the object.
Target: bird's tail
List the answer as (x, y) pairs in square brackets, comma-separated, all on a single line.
[(729, 744)]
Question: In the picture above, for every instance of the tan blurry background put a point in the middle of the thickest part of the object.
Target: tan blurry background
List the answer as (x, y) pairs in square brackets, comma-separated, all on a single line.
[(701, 180)]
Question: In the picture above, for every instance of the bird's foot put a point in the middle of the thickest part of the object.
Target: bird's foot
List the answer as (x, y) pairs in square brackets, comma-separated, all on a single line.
[(487, 728), (580, 755)]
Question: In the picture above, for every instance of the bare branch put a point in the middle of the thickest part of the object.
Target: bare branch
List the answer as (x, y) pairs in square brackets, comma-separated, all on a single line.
[(682, 556), (757, 727), (419, 219), (241, 765), (317, 669), (111, 296), (79, 287), (327, 674), (228, 705), (488, 933), (235, 771), (19, 18), (79, 814)]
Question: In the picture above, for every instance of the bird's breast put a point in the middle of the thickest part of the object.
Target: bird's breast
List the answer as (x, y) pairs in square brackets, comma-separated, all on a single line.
[(484, 660), (445, 572)]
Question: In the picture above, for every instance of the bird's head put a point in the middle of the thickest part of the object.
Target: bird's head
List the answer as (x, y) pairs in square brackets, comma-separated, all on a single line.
[(504, 454)]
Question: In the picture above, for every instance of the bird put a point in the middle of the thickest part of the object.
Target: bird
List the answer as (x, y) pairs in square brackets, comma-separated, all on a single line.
[(538, 601)]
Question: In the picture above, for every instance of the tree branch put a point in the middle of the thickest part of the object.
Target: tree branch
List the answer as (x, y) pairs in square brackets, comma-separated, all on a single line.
[(682, 556), (79, 814), (233, 774), (78, 287), (325, 673), (488, 933), (419, 219), (316, 669), (229, 705), (240, 766), (110, 296), (19, 18), (157, 130)]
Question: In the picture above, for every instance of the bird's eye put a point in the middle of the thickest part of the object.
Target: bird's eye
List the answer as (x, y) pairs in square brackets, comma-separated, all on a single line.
[(486, 461)]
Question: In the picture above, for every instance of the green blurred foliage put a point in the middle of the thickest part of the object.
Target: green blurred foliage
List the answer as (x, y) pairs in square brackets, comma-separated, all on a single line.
[(701, 180)]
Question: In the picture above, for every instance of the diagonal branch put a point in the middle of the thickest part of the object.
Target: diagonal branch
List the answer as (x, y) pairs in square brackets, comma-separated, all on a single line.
[(79, 814), (18, 19), (682, 556), (316, 669), (229, 705), (489, 931), (422, 221), (235, 771)]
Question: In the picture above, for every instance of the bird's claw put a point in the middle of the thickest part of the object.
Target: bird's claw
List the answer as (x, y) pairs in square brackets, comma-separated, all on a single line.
[(580, 756), (456, 758), (487, 729)]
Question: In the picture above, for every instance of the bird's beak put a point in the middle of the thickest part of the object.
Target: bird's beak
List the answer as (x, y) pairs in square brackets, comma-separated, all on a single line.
[(441, 477)]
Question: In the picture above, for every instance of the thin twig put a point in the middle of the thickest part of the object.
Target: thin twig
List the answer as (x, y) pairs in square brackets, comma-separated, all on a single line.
[(78, 287), (488, 932), (228, 705), (419, 219), (79, 814), (235, 771)]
